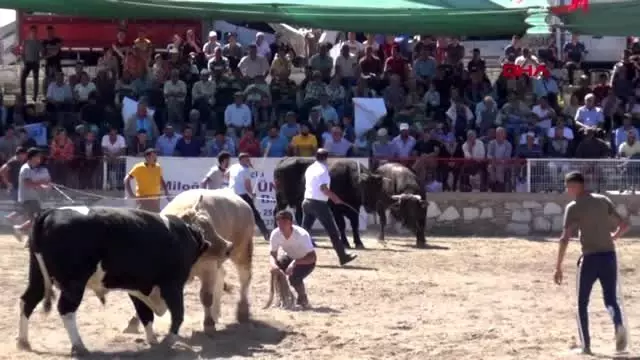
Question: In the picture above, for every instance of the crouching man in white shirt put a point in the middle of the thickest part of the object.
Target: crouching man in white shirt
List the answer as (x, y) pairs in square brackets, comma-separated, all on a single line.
[(299, 257)]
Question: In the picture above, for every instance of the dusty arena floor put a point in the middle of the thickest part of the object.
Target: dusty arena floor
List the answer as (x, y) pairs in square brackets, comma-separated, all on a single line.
[(470, 299)]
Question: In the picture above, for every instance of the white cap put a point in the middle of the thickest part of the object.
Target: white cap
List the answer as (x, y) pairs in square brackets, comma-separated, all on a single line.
[(404, 126), (212, 33), (259, 34), (531, 133), (382, 132)]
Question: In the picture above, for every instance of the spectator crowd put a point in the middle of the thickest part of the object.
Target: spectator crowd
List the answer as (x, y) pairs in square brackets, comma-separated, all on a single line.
[(446, 118)]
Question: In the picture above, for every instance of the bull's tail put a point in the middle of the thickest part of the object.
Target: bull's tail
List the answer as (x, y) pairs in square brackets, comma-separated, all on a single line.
[(35, 241), (272, 289)]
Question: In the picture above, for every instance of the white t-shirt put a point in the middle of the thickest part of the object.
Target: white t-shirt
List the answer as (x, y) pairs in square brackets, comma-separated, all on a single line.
[(84, 91), (216, 177), (297, 246), (316, 175), (237, 175), (115, 147)]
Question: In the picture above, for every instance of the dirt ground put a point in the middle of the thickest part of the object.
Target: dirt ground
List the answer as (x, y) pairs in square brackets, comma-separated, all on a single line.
[(468, 299)]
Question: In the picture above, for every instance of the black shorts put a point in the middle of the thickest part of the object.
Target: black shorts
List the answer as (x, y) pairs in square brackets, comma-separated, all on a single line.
[(30, 208)]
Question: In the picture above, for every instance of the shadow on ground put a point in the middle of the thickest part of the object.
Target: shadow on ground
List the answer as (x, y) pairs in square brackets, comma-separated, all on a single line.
[(242, 340)]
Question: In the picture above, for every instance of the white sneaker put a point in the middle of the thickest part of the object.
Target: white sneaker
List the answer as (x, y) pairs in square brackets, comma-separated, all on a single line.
[(621, 338)]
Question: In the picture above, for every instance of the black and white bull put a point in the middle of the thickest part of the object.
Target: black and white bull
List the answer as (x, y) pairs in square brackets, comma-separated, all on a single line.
[(404, 198), (147, 255), (353, 183)]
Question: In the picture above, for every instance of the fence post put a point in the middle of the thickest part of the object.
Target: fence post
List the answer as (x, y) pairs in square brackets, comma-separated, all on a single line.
[(105, 181), (529, 175)]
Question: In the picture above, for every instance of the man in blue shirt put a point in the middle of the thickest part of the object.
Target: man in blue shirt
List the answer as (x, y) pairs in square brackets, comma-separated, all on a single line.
[(188, 146), (274, 144)]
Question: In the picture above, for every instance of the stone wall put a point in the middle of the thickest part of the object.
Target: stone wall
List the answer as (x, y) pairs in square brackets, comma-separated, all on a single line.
[(518, 214)]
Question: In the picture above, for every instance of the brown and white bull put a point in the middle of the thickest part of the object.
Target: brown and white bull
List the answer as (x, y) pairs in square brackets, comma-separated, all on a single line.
[(232, 219)]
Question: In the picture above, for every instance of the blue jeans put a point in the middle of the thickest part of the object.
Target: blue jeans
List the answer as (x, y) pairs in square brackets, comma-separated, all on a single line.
[(604, 268)]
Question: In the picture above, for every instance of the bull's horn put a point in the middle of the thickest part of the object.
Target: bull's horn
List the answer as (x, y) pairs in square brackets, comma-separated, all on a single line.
[(396, 197), (417, 197), (197, 204)]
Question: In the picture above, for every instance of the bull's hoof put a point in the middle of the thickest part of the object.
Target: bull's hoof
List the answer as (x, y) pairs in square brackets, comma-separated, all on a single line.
[(79, 350), (421, 245), (360, 246), (133, 326), (23, 344), (242, 314), (346, 245)]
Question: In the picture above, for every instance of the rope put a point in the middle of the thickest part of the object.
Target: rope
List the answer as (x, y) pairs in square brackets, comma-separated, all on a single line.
[(64, 190)]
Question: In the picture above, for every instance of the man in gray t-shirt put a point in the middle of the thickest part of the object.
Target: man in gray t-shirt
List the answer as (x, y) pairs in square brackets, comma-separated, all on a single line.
[(216, 178), (589, 216), (32, 179), (31, 55)]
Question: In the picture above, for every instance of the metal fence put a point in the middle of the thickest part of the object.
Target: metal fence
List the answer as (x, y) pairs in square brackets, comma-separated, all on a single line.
[(438, 174), (602, 175)]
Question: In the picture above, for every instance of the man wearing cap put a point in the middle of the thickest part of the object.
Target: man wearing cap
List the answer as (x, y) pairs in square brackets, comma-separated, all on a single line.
[(210, 45), (237, 115), (404, 142), (315, 206), (382, 147), (233, 50), (262, 47), (240, 183), (32, 178), (253, 64), (149, 182)]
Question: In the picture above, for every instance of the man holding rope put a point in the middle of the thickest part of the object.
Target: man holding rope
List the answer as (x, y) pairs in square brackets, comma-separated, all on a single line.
[(315, 205), (149, 182), (32, 179), (589, 214), (240, 183)]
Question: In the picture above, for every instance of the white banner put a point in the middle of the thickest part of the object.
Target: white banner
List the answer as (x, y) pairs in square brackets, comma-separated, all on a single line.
[(181, 173)]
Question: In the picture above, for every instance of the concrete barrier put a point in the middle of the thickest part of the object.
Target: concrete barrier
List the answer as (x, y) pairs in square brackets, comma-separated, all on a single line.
[(510, 214)]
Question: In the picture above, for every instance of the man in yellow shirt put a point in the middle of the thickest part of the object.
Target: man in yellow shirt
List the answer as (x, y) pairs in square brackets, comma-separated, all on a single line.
[(149, 182), (304, 144)]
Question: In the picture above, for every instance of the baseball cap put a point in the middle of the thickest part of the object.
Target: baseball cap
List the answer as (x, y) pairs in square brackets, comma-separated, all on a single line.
[(212, 33), (404, 126)]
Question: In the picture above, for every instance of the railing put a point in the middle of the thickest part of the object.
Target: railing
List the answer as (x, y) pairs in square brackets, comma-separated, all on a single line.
[(437, 174), (602, 175), (460, 174)]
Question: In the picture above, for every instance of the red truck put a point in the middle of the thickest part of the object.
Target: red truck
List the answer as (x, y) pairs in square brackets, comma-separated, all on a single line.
[(85, 38)]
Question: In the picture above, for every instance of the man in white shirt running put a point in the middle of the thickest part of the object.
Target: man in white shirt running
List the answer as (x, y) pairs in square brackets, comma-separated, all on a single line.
[(315, 206), (299, 258), (240, 183), (217, 177)]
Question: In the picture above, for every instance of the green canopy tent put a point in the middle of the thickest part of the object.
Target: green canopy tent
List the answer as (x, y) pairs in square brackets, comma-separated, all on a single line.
[(618, 18), (478, 17)]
